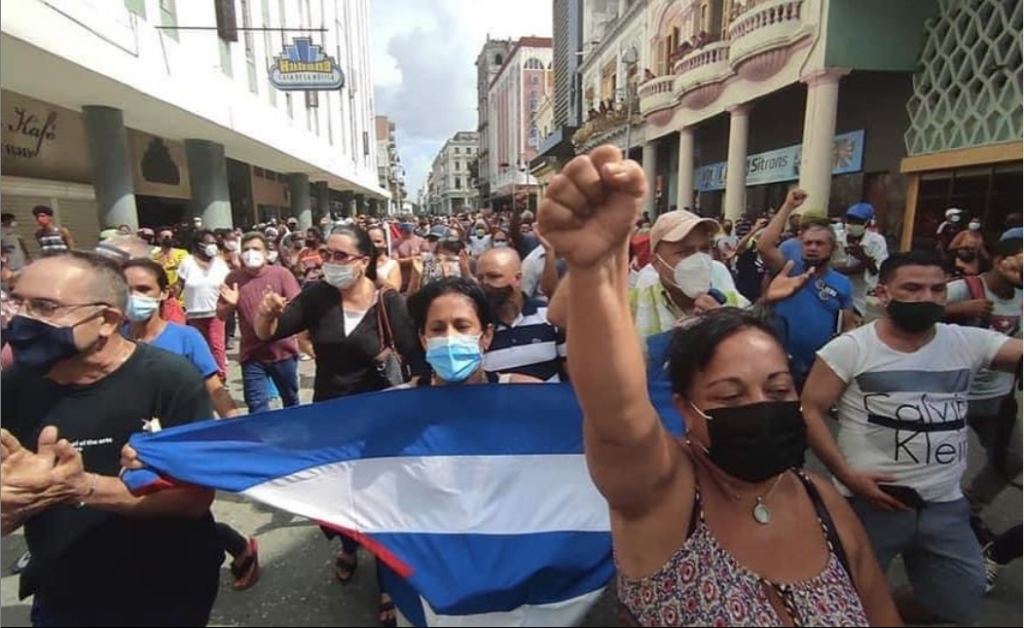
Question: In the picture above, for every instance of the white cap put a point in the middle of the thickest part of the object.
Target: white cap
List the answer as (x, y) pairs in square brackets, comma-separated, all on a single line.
[(952, 211)]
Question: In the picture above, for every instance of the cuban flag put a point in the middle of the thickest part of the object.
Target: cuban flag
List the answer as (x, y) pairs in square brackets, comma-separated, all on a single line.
[(477, 499)]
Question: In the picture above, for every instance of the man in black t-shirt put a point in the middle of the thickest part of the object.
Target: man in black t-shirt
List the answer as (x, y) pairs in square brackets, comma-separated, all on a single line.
[(100, 556)]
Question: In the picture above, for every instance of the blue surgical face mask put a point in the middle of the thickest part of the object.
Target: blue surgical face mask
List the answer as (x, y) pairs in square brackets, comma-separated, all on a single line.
[(37, 344), (141, 307), (454, 358)]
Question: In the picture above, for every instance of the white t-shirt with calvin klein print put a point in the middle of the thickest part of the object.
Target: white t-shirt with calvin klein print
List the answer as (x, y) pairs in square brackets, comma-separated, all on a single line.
[(904, 414)]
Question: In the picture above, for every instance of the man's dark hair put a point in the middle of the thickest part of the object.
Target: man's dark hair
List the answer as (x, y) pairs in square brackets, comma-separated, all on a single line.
[(42, 209), (419, 303), (154, 269), (6, 218), (694, 344), (897, 261), (255, 235), (1007, 248)]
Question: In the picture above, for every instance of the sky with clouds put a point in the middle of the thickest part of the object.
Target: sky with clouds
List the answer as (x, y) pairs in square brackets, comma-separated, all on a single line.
[(424, 54)]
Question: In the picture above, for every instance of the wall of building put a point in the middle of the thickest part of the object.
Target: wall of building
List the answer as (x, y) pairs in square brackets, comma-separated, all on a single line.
[(877, 34), (210, 82)]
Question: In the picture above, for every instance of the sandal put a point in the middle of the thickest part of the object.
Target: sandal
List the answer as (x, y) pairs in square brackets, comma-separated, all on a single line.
[(246, 568), (345, 565), (387, 616)]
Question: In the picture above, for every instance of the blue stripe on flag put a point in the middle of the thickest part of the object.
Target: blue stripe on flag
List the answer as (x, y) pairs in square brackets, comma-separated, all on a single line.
[(508, 419), (540, 568)]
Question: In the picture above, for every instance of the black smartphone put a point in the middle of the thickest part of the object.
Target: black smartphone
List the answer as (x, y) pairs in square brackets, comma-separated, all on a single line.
[(905, 494)]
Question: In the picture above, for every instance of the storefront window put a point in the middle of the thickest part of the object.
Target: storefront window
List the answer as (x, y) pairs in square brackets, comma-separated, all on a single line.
[(990, 193)]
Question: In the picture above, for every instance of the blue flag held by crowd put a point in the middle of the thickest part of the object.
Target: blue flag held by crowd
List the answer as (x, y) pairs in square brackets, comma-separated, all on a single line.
[(477, 498)]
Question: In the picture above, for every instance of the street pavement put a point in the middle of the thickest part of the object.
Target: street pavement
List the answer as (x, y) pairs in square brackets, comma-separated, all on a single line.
[(297, 585)]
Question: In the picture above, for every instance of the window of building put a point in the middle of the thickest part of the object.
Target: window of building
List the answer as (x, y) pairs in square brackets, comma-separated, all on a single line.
[(498, 60), (534, 80), (250, 47), (138, 7), (169, 17), (458, 166), (456, 150), (533, 63), (458, 183), (271, 93), (225, 57)]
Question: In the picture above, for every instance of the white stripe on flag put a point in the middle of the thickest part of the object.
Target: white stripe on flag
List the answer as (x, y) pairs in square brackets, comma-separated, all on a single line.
[(516, 356), (446, 495), (564, 613)]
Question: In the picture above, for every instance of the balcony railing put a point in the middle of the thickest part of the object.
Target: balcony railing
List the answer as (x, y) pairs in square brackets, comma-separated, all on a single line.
[(656, 94), (707, 66), (713, 53), (765, 26), (604, 124)]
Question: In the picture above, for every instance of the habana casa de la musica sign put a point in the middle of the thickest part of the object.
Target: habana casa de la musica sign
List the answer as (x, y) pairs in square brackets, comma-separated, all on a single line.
[(303, 66)]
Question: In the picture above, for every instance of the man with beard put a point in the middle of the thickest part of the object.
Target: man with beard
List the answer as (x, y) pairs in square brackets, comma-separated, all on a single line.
[(524, 341), (812, 316)]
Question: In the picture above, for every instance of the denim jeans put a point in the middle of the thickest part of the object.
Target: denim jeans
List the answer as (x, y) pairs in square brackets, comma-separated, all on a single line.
[(285, 375)]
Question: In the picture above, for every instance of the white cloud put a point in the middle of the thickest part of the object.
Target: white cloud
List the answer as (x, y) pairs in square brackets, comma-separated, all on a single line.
[(424, 54)]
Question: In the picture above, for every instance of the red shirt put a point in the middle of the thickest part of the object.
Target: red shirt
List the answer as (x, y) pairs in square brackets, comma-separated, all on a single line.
[(251, 288)]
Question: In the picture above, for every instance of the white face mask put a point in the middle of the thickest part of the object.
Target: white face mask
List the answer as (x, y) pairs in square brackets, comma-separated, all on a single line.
[(211, 250), (272, 257), (692, 274), (253, 258), (340, 276), (974, 226), (231, 245), (954, 218)]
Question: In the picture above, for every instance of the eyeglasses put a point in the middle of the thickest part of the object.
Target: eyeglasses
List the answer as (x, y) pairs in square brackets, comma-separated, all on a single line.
[(340, 257), (45, 308)]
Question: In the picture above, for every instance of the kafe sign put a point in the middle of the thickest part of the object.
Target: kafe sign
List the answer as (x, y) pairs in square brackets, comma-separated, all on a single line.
[(303, 66), (783, 164)]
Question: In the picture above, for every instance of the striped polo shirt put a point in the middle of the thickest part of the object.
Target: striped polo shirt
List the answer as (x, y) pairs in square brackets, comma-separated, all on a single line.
[(529, 346)]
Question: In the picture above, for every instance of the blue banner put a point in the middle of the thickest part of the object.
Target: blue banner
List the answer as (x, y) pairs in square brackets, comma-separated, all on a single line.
[(783, 164)]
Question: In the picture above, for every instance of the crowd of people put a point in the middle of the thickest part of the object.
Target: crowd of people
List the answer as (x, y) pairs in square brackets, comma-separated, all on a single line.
[(765, 330)]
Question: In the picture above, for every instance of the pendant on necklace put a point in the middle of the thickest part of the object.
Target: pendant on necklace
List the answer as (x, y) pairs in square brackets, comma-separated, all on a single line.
[(761, 513)]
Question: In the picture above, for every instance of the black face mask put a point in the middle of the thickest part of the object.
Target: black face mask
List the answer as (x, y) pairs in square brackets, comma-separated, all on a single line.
[(498, 297), (166, 242), (914, 316), (966, 255), (815, 263), (758, 441)]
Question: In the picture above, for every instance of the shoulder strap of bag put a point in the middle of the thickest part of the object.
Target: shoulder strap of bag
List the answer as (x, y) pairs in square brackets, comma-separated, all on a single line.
[(831, 533), (976, 288), (384, 332)]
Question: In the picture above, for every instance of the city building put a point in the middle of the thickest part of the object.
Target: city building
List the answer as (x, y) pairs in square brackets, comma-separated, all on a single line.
[(450, 185), (964, 139), (147, 112), (563, 103), (513, 139), (775, 93), (390, 173), (488, 63)]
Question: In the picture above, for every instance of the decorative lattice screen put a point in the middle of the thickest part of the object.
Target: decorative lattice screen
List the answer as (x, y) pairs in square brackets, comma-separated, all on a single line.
[(968, 92)]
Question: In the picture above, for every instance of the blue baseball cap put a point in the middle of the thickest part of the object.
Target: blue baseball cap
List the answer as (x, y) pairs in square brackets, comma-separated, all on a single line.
[(861, 211), (1017, 233)]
